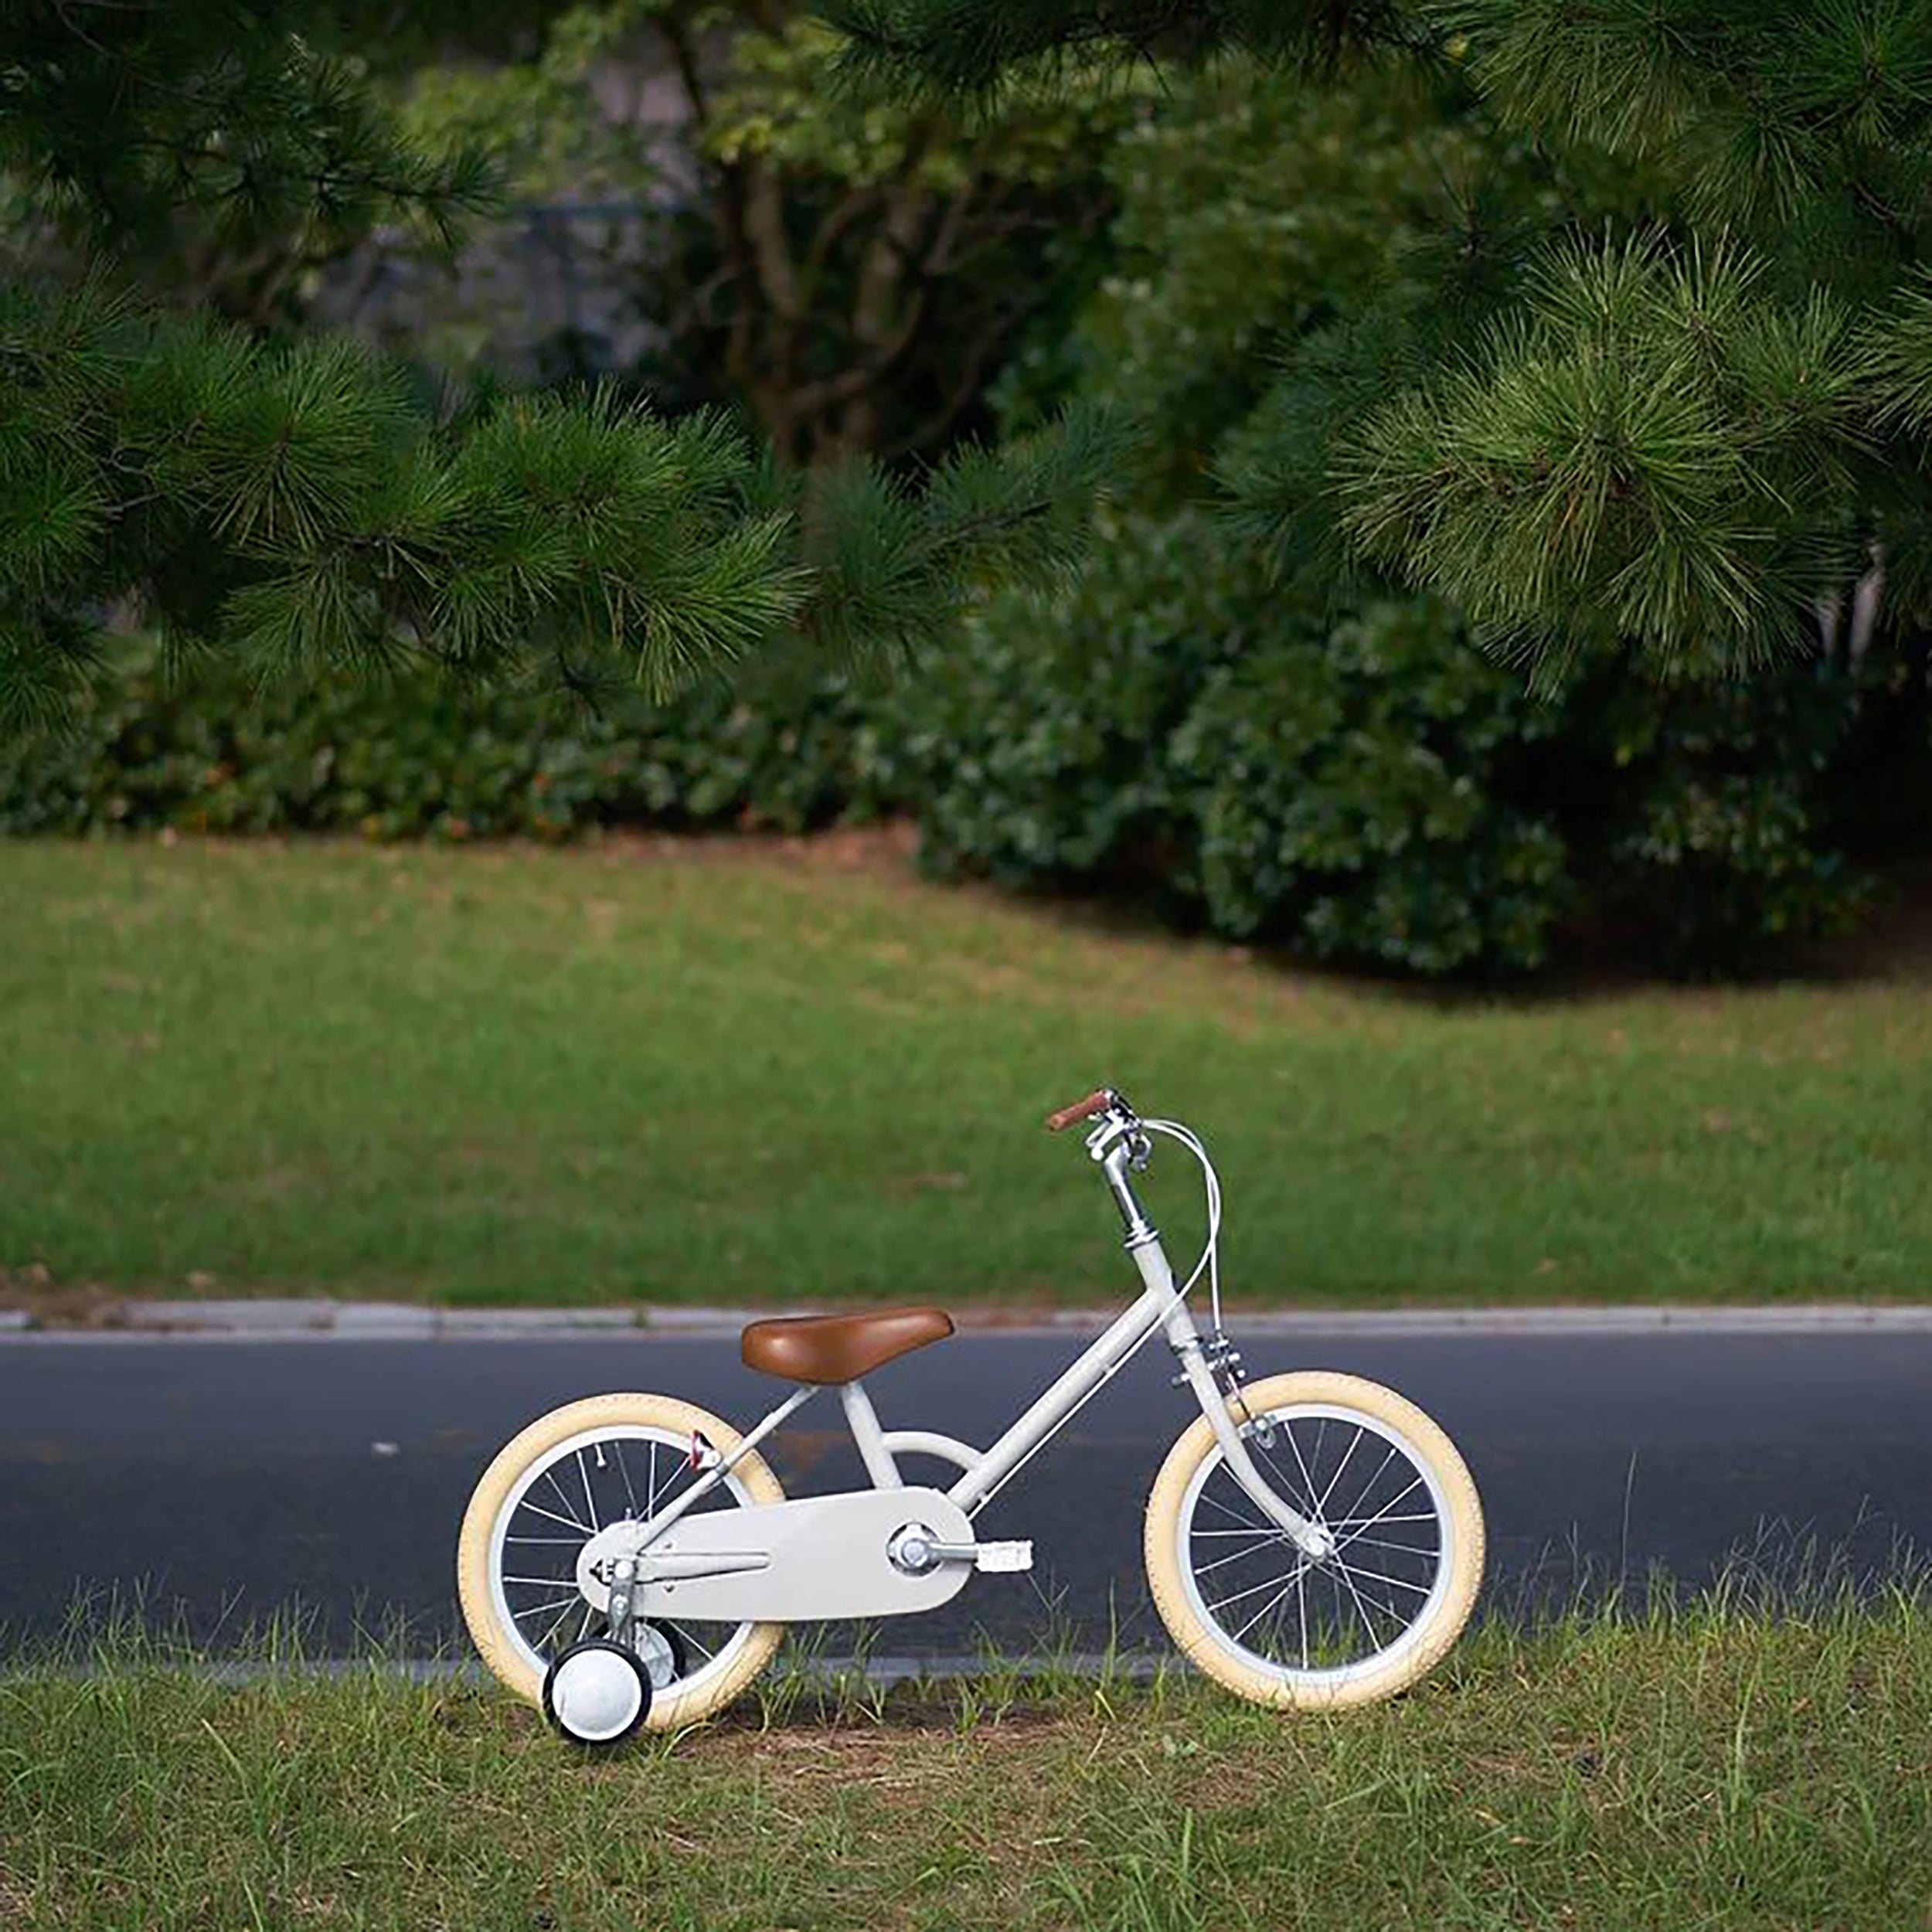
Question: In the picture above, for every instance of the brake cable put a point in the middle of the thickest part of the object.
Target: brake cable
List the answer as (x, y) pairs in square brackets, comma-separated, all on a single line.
[(1210, 1252)]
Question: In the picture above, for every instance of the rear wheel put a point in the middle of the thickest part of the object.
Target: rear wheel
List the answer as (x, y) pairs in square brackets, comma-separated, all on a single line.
[(570, 1473), (1274, 1626)]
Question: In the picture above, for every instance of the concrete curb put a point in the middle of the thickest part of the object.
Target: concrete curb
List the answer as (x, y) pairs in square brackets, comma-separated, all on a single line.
[(321, 1318)]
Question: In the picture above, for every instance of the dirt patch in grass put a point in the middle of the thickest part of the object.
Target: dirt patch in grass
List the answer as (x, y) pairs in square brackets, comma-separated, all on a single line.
[(79, 1304), (14, 1901), (884, 851)]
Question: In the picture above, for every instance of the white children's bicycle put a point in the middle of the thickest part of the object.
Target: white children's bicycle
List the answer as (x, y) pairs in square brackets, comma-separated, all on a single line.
[(1313, 1540)]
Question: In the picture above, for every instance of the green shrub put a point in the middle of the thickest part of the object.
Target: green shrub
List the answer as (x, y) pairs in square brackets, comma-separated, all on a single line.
[(1349, 790), (1182, 725), (1036, 748)]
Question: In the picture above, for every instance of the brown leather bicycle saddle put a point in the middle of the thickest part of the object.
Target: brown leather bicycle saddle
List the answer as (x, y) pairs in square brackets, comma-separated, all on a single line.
[(839, 1348)]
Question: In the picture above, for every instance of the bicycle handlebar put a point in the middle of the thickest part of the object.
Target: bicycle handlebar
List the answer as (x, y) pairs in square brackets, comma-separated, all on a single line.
[(1096, 1102)]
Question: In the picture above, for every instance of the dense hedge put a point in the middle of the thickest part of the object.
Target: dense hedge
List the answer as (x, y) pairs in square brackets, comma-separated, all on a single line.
[(1367, 787), (1374, 790), (420, 759), (1184, 726)]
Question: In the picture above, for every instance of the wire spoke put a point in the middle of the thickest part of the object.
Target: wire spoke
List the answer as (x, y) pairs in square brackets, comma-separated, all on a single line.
[(550, 1476), (1347, 1456), (1382, 1542), (1253, 1589), (685, 1630), (550, 1516), (624, 1470), (1287, 1488), (1388, 1610), (541, 1610), (1368, 1523), (1362, 1494), (1235, 1515), (1376, 1576), (1288, 1429), (1368, 1622), (543, 1642), (1278, 1596), (1233, 1557)]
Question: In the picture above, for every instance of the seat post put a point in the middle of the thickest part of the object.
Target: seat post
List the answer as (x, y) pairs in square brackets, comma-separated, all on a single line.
[(871, 1439)]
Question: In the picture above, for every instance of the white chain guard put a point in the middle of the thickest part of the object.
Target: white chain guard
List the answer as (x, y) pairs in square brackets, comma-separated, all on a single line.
[(820, 1557)]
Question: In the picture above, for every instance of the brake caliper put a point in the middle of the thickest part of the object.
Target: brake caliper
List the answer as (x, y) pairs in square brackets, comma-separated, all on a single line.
[(1224, 1359)]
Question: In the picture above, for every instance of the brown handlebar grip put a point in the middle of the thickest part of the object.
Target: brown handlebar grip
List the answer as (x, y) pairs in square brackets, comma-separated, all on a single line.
[(1096, 1102)]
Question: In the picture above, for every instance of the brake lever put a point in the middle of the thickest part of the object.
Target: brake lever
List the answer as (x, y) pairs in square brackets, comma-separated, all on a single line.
[(1120, 1123)]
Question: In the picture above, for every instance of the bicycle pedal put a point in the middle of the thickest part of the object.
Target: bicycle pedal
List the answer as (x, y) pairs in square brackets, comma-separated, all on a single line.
[(1010, 1556)]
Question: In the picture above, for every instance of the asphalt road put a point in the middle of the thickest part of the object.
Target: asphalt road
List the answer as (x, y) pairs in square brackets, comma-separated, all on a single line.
[(215, 1480)]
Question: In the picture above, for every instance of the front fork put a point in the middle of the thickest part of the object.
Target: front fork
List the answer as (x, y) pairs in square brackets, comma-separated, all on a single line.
[(1117, 1148), (1311, 1539)]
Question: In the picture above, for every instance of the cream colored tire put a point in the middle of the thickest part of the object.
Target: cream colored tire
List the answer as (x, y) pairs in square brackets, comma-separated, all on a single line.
[(550, 1443), (1435, 1583)]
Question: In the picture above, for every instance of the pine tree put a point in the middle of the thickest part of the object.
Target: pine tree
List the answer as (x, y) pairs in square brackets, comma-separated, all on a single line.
[(315, 511), (1685, 433)]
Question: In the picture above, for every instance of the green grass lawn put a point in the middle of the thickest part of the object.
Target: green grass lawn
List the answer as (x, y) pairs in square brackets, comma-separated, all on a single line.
[(1701, 1770), (725, 1073)]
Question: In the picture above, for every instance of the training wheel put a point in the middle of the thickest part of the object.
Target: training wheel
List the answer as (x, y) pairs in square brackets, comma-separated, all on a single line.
[(596, 1693)]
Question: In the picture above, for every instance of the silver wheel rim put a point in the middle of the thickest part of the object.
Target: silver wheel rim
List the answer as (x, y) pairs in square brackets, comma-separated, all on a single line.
[(1264, 1603), (654, 1652), (533, 1554)]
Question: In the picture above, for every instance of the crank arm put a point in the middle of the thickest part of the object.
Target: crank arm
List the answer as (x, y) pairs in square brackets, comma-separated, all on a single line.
[(915, 1550)]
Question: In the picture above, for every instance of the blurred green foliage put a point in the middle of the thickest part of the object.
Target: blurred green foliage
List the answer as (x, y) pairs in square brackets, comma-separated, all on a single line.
[(1674, 426), (848, 268), (418, 757), (1369, 789), (1252, 210), (1220, 714)]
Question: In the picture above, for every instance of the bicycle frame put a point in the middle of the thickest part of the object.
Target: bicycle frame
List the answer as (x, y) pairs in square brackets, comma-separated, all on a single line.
[(984, 1472)]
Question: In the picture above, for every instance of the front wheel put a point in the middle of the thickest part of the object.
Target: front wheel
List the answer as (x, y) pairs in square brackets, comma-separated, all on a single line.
[(1274, 1626)]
